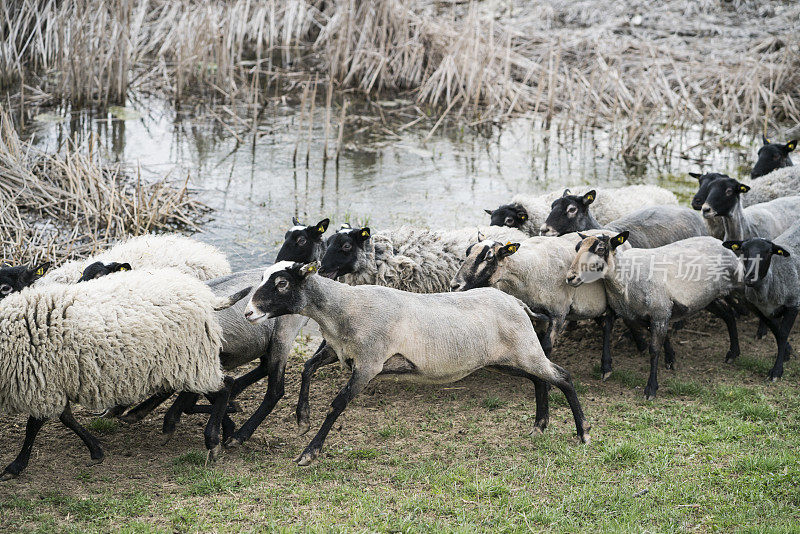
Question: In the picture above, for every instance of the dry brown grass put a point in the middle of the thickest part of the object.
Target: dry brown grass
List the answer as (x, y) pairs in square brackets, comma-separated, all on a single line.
[(735, 64), (67, 205)]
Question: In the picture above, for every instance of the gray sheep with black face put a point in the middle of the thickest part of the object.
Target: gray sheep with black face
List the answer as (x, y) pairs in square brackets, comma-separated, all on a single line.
[(772, 284), (649, 227), (657, 286), (432, 338), (767, 220)]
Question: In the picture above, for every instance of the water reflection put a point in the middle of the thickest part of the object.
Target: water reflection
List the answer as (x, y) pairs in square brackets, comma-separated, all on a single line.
[(382, 179)]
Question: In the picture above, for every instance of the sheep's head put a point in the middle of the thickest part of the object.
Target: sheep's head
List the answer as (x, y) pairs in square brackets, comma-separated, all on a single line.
[(594, 259), (346, 252), (14, 279), (755, 256), (280, 291), (303, 243), (723, 195), (511, 215), (570, 213), (772, 156), (99, 269), (483, 260), (705, 181)]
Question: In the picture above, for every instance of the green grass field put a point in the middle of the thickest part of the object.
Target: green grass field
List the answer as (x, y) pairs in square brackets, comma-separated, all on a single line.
[(717, 451)]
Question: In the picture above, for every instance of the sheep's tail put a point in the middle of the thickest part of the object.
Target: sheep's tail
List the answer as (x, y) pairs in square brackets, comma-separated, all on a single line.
[(536, 318), (227, 302)]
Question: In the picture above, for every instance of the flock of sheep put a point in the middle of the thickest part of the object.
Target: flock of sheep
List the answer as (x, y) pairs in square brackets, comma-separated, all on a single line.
[(156, 315)]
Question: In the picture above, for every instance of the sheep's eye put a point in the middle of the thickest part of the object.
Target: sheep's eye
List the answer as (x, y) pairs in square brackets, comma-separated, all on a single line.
[(282, 284), (5, 289), (572, 209), (489, 256), (301, 241), (347, 247), (729, 192)]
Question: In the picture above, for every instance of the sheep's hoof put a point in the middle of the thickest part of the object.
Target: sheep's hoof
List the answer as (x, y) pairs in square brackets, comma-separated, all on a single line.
[(649, 396), (167, 436), (95, 461), (306, 458), (536, 431), (233, 443), (130, 418), (669, 366), (606, 376), (7, 476), (773, 378), (586, 439), (214, 453)]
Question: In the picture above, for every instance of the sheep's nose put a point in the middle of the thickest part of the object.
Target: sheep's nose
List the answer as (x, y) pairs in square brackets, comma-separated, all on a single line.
[(455, 286), (707, 211), (248, 314)]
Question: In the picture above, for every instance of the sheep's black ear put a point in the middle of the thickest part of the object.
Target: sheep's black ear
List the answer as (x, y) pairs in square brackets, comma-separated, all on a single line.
[(523, 216), (565, 193), (764, 139), (695, 175), (490, 212), (743, 188), (309, 269), (38, 271), (295, 222), (589, 197), (582, 236), (322, 226), (619, 239), (780, 251), (507, 250), (735, 246), (363, 234), (125, 267), (791, 145)]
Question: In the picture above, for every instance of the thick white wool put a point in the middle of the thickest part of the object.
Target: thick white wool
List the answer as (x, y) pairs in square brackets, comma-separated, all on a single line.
[(152, 252), (779, 183), (114, 340)]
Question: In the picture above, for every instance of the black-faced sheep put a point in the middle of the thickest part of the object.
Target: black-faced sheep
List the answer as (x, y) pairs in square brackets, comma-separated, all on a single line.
[(772, 156)]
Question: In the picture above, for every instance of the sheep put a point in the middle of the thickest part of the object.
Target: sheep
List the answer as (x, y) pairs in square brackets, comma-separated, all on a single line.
[(408, 258), (656, 286), (434, 338), (773, 287), (108, 341), (780, 183), (15, 279), (527, 213), (151, 251), (772, 156), (99, 269), (270, 341), (535, 272), (650, 227), (767, 220)]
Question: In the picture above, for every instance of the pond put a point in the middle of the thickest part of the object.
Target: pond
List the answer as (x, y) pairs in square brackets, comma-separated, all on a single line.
[(385, 177)]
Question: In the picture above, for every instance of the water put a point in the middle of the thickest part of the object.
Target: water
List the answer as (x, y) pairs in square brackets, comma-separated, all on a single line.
[(385, 177)]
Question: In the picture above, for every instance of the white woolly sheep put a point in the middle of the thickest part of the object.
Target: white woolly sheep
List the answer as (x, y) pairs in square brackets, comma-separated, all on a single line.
[(109, 341), (433, 338), (152, 251), (528, 213)]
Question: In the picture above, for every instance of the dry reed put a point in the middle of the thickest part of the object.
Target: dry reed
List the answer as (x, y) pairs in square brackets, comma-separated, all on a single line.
[(67, 205)]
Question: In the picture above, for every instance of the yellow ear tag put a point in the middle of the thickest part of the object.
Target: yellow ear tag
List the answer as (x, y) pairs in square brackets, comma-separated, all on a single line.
[(734, 247), (512, 249), (40, 271), (743, 188), (320, 229), (619, 239), (790, 145), (590, 197), (312, 268), (364, 233), (522, 217), (123, 269)]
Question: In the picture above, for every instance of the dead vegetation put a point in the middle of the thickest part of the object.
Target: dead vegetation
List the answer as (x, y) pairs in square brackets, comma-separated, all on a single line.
[(66, 205), (734, 63)]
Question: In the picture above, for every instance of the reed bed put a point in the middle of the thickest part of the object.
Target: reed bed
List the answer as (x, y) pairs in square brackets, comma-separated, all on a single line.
[(735, 63), (67, 205)]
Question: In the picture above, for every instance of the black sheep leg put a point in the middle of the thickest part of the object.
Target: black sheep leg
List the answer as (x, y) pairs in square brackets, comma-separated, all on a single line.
[(140, 411), (16, 467), (218, 407), (275, 392), (323, 356), (95, 450), (727, 314)]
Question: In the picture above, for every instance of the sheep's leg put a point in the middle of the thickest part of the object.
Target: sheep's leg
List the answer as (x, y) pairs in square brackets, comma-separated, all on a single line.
[(250, 378), (669, 353), (275, 392), (546, 338), (141, 411), (358, 381), (658, 333), (95, 450), (636, 335), (608, 327), (218, 407), (16, 467), (115, 411), (564, 383), (727, 314), (542, 389), (323, 356), (173, 415), (784, 328)]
